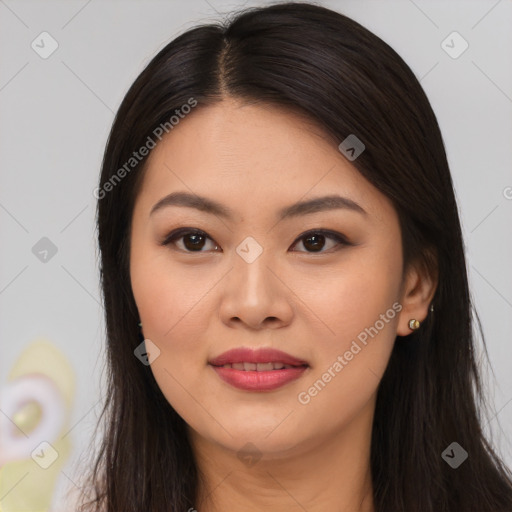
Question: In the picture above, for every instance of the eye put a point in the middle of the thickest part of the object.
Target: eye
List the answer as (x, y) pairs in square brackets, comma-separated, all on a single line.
[(314, 241), (189, 240), (194, 240)]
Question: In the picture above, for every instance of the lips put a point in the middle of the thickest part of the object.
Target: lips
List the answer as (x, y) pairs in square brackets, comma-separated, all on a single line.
[(258, 370), (257, 367), (256, 359)]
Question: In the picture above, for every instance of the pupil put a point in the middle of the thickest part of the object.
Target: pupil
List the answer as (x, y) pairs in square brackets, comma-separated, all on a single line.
[(195, 240), (315, 245)]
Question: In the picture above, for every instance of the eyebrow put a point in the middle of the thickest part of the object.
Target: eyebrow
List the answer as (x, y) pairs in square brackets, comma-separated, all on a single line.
[(204, 204)]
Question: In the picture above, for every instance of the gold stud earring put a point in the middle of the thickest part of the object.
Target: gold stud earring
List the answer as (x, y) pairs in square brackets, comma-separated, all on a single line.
[(414, 324)]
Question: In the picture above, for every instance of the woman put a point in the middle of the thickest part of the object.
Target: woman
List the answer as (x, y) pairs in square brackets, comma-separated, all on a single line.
[(287, 306)]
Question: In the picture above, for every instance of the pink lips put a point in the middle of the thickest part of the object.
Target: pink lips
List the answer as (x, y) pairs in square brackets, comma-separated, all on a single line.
[(264, 378)]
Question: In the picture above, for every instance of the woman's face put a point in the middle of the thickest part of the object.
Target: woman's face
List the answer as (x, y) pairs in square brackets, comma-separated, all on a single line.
[(263, 274)]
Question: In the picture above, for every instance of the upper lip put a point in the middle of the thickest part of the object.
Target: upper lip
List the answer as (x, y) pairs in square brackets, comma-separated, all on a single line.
[(259, 355)]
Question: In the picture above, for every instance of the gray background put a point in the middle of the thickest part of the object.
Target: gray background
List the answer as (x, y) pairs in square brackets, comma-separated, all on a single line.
[(56, 114)]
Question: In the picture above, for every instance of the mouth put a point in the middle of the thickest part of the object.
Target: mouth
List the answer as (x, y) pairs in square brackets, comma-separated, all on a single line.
[(257, 357), (263, 369), (258, 367)]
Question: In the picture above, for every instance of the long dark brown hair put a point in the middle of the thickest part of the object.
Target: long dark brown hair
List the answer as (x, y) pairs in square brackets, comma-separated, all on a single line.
[(316, 61)]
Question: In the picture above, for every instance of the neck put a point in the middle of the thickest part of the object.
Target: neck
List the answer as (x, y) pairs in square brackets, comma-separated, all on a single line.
[(330, 473)]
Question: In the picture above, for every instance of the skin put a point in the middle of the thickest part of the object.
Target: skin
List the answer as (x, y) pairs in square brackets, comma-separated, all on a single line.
[(256, 159)]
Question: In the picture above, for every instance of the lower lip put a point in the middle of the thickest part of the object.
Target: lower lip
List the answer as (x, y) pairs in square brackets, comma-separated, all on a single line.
[(259, 381)]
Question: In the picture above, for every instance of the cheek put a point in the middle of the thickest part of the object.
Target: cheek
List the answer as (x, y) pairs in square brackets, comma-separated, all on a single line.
[(359, 309), (173, 304), (353, 296), (176, 309)]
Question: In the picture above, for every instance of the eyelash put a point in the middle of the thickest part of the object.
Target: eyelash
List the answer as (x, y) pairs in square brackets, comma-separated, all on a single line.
[(180, 233)]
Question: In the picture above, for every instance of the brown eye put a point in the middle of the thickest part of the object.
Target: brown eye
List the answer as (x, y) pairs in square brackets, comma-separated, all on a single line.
[(194, 241), (315, 241), (190, 240)]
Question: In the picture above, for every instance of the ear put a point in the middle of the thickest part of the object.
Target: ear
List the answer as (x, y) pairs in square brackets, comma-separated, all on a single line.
[(418, 289)]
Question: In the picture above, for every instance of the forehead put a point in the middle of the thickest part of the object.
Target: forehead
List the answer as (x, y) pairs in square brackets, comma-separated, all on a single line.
[(243, 154)]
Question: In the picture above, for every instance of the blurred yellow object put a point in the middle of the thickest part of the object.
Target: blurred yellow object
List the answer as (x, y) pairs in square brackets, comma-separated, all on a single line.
[(28, 477), (28, 417)]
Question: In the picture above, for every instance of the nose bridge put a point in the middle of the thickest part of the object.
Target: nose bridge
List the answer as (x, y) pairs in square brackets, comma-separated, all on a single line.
[(254, 293), (252, 275)]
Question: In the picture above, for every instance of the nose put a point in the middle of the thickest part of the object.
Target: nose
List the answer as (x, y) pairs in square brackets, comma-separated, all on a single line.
[(255, 295)]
